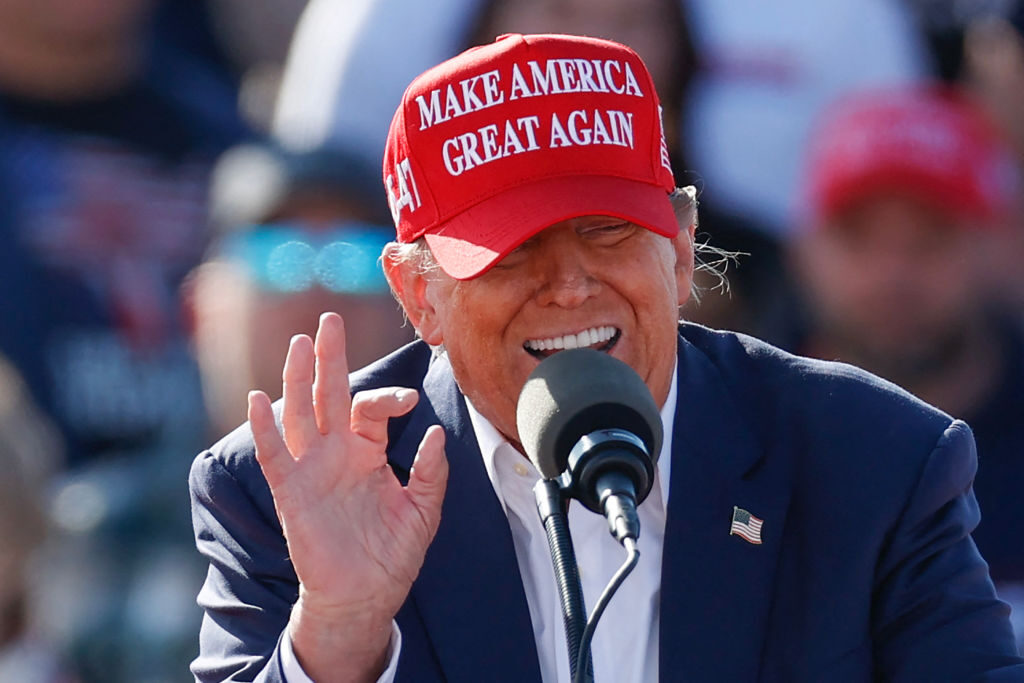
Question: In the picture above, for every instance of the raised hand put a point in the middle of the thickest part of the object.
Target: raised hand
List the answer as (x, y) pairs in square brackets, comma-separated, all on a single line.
[(356, 536)]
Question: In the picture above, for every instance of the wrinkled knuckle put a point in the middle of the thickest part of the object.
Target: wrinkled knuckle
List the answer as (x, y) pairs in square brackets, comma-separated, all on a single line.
[(361, 403)]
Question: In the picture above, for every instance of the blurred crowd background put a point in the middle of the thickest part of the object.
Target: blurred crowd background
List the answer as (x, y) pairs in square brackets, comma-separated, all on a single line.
[(184, 184)]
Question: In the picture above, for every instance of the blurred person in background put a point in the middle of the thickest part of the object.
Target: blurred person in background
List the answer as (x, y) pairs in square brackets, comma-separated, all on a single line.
[(237, 44), (30, 451), (994, 74), (952, 28), (297, 234), (979, 46), (104, 167), (106, 144), (764, 73), (910, 195)]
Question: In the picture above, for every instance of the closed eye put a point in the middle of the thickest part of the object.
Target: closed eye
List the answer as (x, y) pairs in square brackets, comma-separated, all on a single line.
[(610, 233)]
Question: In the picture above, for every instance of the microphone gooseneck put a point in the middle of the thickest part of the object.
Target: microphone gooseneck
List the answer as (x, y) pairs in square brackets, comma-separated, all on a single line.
[(590, 426)]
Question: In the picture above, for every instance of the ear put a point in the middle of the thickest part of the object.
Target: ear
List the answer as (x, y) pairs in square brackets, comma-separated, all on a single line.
[(684, 203), (411, 285)]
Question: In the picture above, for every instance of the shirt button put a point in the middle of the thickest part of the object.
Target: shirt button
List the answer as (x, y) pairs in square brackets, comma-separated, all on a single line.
[(521, 469)]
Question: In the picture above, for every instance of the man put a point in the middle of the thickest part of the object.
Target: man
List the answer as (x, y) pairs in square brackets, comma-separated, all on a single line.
[(296, 234), (912, 197), (531, 195)]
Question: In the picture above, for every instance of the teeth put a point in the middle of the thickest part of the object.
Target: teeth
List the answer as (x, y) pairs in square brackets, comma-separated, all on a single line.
[(588, 337)]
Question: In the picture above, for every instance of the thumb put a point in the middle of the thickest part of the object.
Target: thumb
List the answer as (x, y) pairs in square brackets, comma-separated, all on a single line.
[(429, 477)]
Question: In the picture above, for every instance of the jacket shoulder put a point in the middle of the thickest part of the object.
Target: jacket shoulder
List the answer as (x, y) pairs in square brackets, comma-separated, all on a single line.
[(838, 426), (404, 367), (784, 388)]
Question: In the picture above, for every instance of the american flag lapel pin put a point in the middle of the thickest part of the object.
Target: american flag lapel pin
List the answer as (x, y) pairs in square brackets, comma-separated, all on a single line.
[(746, 526)]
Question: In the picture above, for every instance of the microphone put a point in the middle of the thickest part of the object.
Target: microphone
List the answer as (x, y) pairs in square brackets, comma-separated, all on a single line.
[(588, 420)]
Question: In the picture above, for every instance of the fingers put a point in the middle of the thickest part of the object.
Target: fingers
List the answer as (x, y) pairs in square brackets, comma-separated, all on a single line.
[(271, 452), (298, 419), (332, 402), (429, 477), (372, 409)]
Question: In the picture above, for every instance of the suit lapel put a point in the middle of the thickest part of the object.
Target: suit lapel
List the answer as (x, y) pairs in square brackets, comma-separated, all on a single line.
[(469, 593), (716, 588)]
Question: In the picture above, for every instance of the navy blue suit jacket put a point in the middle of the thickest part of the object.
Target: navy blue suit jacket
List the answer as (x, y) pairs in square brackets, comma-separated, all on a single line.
[(867, 570)]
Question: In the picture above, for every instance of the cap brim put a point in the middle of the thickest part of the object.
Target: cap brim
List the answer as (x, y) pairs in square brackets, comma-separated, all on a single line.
[(947, 194), (470, 243)]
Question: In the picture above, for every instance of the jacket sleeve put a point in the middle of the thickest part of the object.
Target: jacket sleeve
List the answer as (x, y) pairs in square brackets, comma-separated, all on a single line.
[(935, 613), (250, 586)]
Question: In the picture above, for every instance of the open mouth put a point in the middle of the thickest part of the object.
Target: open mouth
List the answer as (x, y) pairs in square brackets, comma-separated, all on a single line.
[(599, 338)]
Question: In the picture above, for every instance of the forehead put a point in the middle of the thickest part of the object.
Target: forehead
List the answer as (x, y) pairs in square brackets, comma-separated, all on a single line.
[(889, 212)]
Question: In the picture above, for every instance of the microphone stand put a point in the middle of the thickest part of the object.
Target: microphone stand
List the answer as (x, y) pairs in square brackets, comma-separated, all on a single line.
[(552, 506)]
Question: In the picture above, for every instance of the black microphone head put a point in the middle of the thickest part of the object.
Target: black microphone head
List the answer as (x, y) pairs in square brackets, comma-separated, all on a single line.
[(576, 392)]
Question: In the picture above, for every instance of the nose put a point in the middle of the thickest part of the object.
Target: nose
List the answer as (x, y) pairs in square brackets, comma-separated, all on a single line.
[(566, 278)]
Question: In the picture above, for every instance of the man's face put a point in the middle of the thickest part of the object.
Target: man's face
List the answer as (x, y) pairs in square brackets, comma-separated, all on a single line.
[(243, 321), (892, 281), (593, 281)]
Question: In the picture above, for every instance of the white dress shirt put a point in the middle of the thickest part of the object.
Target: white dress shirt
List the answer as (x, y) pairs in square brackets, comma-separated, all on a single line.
[(630, 652)]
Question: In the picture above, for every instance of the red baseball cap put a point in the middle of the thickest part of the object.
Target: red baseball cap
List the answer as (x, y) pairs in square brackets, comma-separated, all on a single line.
[(927, 142), (503, 140)]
